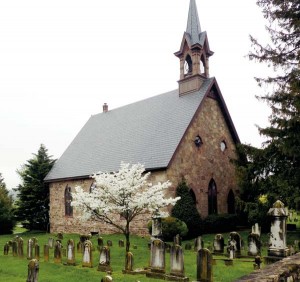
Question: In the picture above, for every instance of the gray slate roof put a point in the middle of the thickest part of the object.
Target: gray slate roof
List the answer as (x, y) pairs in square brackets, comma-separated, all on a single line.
[(146, 132)]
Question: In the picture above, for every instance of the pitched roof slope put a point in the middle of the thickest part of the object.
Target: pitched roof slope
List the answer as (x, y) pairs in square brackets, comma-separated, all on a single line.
[(146, 132)]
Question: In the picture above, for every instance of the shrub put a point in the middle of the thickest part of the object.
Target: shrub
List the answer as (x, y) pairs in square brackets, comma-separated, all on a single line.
[(216, 223), (185, 209), (171, 226)]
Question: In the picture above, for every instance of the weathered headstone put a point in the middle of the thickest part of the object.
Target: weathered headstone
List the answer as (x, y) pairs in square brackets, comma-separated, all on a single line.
[(37, 252), (218, 244), (109, 243), (33, 271), (156, 228), (57, 252), (70, 252), (30, 249), (80, 247), (121, 243), (15, 248), (46, 252), (100, 242), (20, 247), (277, 241), (176, 261), (177, 240), (254, 244), (51, 243), (6, 249), (204, 265), (60, 236), (129, 262), (235, 240), (198, 244), (256, 229), (157, 259), (104, 259), (34, 240), (87, 259)]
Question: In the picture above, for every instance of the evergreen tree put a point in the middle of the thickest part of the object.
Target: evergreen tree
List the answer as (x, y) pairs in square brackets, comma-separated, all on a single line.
[(33, 193), (274, 170), (185, 210), (7, 222)]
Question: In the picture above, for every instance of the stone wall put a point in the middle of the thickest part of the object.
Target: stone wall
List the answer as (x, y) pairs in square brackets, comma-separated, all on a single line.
[(287, 269), (196, 165), (199, 165)]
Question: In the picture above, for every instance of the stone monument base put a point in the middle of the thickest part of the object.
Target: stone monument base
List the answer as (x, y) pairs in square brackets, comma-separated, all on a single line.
[(282, 253), (136, 271), (156, 273), (104, 268), (170, 277)]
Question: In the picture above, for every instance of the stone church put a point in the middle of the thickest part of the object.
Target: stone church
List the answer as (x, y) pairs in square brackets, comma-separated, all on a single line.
[(186, 133)]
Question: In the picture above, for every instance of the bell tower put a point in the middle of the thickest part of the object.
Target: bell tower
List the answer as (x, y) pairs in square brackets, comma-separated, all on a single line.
[(194, 54)]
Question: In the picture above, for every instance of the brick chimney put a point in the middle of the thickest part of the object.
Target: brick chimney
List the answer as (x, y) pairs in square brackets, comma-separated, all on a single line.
[(105, 108)]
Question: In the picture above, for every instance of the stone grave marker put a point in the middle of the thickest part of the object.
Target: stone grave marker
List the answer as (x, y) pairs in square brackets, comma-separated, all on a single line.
[(157, 259), (198, 244), (177, 240), (104, 259), (33, 271), (218, 244), (59, 236), (100, 242), (277, 241), (37, 252), (235, 240), (30, 249), (15, 248), (87, 259), (71, 252), (254, 244), (128, 262), (6, 249), (80, 247), (156, 228), (256, 229), (204, 265), (20, 247), (109, 243), (46, 252), (57, 252), (121, 243), (51, 243)]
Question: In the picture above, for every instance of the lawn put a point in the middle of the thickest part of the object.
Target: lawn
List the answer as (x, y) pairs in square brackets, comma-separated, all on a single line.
[(13, 269)]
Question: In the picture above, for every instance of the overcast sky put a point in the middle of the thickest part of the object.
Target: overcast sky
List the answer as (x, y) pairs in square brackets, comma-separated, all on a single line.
[(60, 60)]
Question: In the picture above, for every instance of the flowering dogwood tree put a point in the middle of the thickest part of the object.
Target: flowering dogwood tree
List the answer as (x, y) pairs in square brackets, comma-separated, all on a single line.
[(118, 198)]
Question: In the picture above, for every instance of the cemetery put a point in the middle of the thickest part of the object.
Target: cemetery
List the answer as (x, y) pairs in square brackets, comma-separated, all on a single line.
[(241, 255)]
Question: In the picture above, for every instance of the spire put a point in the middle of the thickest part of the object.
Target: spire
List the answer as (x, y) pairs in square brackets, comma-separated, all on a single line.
[(193, 27)]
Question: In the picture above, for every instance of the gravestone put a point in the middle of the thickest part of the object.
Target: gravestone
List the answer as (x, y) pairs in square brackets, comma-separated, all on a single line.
[(104, 259), (15, 248), (156, 228), (204, 266), (177, 240), (109, 243), (20, 247), (236, 241), (30, 249), (198, 244), (100, 242), (121, 243), (59, 236), (157, 259), (176, 264), (231, 249), (46, 252), (128, 262), (70, 252), (87, 258), (6, 249), (277, 241), (254, 244), (51, 243), (57, 252), (33, 271), (37, 252), (218, 244), (80, 247), (256, 229)]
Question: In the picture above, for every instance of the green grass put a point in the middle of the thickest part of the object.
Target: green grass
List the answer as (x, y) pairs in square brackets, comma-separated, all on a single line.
[(13, 269)]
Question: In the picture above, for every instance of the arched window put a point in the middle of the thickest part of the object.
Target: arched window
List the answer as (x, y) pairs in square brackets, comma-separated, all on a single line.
[(188, 65), (212, 198), (68, 201), (231, 202), (202, 66)]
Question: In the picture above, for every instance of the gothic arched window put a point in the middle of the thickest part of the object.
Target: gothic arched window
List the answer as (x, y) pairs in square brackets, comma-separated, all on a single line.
[(212, 198), (68, 201), (188, 65)]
